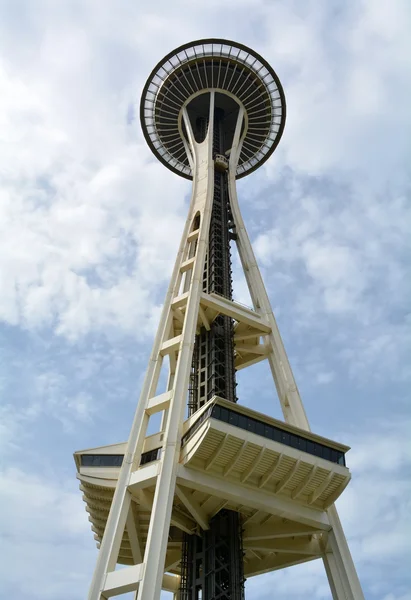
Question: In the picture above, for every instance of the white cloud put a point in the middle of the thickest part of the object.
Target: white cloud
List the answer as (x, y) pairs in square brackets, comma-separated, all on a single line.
[(325, 377), (375, 508), (385, 345), (295, 582), (45, 528), (11, 430), (49, 397), (339, 65), (343, 249), (82, 247), (335, 261), (82, 196)]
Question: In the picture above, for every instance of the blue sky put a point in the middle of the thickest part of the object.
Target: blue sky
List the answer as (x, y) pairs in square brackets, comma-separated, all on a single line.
[(89, 226)]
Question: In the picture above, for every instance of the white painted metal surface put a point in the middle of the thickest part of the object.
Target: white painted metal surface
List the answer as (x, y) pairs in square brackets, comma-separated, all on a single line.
[(186, 307)]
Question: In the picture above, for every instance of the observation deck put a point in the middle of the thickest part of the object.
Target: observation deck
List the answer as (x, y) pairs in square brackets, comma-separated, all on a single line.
[(240, 78), (279, 478)]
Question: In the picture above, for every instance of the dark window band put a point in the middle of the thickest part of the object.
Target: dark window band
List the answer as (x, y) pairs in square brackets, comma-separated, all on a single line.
[(116, 460), (221, 413), (236, 419)]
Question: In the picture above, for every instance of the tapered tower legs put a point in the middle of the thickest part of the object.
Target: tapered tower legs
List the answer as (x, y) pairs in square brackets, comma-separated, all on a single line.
[(244, 492)]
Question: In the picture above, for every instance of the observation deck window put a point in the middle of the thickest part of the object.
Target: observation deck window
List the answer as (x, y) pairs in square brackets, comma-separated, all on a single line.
[(271, 432), (116, 460)]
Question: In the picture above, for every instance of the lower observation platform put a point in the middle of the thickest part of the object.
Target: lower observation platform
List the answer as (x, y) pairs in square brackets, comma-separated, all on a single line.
[(278, 477)]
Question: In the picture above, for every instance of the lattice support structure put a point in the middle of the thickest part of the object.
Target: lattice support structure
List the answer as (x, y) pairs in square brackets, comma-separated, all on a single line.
[(187, 98), (212, 563)]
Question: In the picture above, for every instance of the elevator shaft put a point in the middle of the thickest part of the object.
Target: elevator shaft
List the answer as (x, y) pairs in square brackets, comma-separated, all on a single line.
[(212, 561), (213, 372)]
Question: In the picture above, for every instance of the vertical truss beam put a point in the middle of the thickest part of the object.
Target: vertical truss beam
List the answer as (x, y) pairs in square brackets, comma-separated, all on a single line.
[(151, 573)]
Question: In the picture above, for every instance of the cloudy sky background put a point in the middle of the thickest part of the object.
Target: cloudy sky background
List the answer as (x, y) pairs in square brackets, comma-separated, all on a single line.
[(89, 226)]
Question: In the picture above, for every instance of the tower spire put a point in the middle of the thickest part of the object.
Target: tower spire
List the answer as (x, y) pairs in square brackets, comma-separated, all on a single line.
[(221, 492)]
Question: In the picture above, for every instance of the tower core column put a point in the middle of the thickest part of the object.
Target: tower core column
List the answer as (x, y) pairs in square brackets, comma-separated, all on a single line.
[(212, 560)]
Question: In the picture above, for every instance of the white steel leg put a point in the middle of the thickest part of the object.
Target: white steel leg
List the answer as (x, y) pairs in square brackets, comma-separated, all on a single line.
[(156, 544), (342, 559), (290, 399), (110, 544), (289, 396), (333, 575)]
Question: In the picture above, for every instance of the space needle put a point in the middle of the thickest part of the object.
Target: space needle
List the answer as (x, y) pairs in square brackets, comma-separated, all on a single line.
[(220, 492)]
